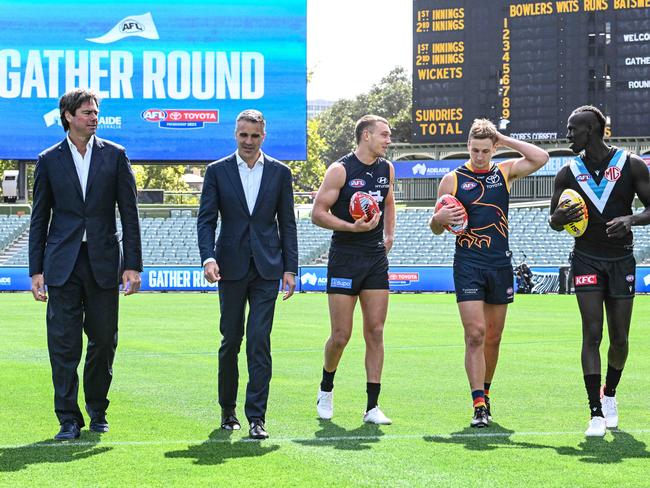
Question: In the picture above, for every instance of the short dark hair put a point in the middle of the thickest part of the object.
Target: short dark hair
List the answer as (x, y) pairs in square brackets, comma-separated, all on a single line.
[(366, 122), (254, 116), (72, 100), (602, 120), (483, 129)]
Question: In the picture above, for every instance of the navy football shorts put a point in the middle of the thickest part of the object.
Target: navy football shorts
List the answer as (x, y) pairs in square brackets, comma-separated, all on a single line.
[(491, 285), (348, 274)]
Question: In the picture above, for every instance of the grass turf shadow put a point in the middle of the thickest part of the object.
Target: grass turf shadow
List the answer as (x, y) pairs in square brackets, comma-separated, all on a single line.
[(494, 437), (218, 448), (599, 450), (333, 435), (50, 451)]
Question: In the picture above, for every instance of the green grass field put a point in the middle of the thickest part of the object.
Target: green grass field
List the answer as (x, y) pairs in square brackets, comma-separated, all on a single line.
[(164, 414)]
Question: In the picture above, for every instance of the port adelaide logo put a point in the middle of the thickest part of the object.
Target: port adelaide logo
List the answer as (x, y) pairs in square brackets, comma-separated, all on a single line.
[(181, 118)]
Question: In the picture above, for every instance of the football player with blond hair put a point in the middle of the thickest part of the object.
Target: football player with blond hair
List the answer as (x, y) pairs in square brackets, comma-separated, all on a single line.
[(483, 276)]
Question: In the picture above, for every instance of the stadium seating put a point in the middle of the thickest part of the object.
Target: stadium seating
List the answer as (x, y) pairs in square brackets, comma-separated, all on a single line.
[(12, 228), (172, 240)]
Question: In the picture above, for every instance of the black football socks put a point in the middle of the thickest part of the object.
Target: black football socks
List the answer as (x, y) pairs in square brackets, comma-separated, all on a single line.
[(611, 380), (327, 383), (592, 385), (372, 389)]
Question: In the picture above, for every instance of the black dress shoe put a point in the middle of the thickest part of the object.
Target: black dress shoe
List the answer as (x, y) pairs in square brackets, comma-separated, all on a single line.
[(257, 430), (98, 423), (69, 430), (229, 420)]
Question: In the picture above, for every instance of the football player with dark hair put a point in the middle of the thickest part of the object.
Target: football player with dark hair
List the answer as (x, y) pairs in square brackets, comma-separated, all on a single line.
[(357, 268), (602, 262)]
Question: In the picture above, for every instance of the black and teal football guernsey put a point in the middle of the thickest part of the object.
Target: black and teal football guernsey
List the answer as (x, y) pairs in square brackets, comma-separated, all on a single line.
[(608, 193)]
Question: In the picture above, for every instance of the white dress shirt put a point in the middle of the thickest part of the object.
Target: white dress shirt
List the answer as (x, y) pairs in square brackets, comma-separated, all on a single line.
[(82, 165), (251, 179)]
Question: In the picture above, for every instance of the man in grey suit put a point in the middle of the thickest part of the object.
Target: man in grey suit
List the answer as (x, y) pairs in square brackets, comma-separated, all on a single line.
[(257, 246), (74, 249)]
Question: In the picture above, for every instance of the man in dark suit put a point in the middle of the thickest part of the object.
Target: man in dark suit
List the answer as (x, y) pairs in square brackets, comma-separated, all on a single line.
[(74, 249), (257, 246)]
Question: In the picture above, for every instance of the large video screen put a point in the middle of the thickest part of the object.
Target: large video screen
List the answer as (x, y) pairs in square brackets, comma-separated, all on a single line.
[(172, 76), (526, 65)]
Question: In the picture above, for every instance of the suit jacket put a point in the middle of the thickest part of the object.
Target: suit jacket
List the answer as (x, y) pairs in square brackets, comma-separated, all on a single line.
[(60, 215), (268, 234)]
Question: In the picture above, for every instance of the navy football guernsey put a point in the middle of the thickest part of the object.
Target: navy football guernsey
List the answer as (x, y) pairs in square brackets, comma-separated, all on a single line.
[(373, 179), (485, 196)]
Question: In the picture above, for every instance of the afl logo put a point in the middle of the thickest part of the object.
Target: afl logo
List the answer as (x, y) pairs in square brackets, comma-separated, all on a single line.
[(382, 180), (612, 173), (357, 183), (583, 177), (154, 115), (492, 179), (468, 185), (131, 25)]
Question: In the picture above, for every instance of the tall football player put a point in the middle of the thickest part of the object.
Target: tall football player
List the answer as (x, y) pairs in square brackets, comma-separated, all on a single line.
[(602, 262), (358, 265), (483, 276)]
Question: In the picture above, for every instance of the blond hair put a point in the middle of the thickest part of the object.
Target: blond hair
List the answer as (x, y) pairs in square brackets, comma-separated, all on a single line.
[(483, 129)]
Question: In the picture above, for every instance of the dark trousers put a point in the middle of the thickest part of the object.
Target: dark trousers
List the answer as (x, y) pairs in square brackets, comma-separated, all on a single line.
[(81, 305), (261, 295)]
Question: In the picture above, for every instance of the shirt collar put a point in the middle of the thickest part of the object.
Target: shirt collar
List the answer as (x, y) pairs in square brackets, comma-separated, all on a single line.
[(89, 146), (240, 161)]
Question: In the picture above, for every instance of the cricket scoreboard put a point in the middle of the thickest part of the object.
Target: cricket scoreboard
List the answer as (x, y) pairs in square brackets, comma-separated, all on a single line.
[(526, 66)]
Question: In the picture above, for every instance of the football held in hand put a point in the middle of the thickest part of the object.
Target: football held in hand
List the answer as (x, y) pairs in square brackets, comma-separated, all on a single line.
[(363, 204), (451, 201)]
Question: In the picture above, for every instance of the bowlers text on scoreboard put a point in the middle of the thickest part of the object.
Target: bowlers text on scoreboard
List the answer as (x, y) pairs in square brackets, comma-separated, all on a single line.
[(527, 65)]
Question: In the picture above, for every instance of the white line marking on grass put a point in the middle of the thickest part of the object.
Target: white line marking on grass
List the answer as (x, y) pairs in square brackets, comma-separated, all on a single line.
[(308, 440), (42, 355)]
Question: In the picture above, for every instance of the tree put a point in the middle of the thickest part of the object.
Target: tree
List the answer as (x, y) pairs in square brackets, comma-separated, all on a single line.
[(307, 175), (159, 176), (390, 98)]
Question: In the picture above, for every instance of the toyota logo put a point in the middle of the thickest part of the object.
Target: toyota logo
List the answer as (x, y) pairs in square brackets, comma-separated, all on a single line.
[(492, 179)]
